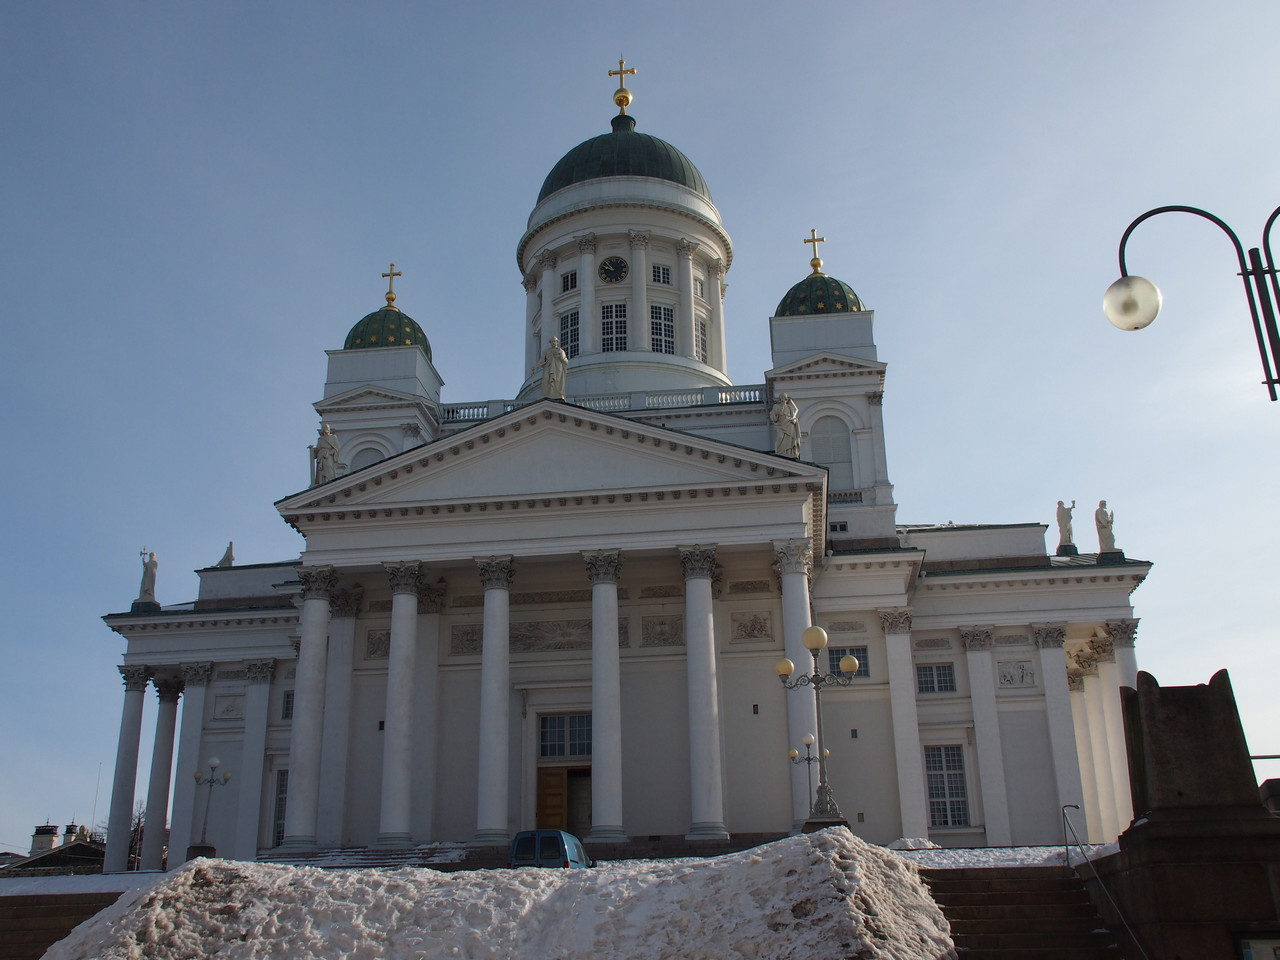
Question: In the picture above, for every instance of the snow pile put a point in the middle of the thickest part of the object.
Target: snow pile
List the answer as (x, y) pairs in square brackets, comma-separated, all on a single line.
[(817, 897), (913, 843), (947, 858)]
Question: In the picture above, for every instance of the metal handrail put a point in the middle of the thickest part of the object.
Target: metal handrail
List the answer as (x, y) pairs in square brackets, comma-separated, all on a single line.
[(1066, 850)]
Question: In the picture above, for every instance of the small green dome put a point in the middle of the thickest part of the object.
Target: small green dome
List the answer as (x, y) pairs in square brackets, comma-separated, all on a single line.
[(388, 327), (624, 153), (818, 293)]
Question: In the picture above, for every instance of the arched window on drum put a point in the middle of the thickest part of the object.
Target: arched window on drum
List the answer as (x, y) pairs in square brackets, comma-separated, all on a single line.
[(832, 446)]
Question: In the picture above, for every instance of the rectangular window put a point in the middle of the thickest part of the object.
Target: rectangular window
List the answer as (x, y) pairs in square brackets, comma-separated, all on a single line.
[(701, 351), (613, 327), (569, 334), (699, 290), (282, 795), (935, 678), (569, 281), (662, 329), (564, 735), (661, 274), (838, 526), (286, 707), (835, 654), (944, 776)]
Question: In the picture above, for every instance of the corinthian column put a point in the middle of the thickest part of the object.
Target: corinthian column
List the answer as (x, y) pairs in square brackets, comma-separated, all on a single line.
[(397, 746), (604, 568), (1084, 750), (308, 709), (195, 680), (986, 731), (1122, 634), (1049, 638), (1087, 663), (344, 606), (715, 297), (589, 324), (547, 267), (1109, 682), (153, 836), (795, 560), (913, 806), (495, 701), (706, 768), (119, 821), (257, 704), (688, 341)]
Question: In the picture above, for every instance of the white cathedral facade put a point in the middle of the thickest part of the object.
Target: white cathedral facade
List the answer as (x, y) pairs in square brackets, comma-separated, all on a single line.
[(566, 611)]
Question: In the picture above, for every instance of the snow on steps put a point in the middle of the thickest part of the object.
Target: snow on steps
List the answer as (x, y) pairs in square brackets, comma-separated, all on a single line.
[(1020, 913)]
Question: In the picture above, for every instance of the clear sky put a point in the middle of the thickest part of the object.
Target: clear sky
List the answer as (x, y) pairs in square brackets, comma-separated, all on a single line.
[(197, 199)]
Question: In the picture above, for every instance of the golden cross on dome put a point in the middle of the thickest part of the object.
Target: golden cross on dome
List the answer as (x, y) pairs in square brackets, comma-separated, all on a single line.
[(814, 240), (391, 284), (622, 96)]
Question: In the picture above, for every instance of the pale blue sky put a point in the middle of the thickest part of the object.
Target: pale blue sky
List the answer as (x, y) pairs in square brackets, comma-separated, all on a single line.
[(197, 201)]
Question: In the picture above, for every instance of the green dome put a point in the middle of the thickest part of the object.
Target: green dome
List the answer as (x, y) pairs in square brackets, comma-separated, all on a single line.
[(388, 327), (818, 293), (624, 153)]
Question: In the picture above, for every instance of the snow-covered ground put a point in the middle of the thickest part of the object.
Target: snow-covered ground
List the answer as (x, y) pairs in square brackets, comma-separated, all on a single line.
[(816, 897), (970, 857)]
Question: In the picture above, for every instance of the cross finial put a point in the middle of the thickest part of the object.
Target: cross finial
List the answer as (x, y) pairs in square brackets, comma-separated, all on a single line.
[(622, 96), (391, 285), (814, 240)]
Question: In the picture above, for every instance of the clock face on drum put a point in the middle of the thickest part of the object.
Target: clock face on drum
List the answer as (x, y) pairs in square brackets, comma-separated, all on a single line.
[(613, 269)]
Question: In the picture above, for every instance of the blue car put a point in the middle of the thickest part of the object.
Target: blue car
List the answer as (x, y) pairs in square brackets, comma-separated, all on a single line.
[(547, 848)]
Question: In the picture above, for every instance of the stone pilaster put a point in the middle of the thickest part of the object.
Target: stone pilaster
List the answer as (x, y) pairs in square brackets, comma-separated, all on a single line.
[(913, 805), (977, 643)]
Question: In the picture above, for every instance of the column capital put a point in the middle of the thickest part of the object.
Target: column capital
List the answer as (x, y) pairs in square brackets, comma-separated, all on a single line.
[(345, 603), (685, 248), (1049, 634), (638, 238), (431, 597), (1075, 680), (876, 399), (794, 556), (547, 260), (197, 674), (496, 573), (1104, 649), (405, 577), (530, 283), (168, 689), (1086, 662), (976, 638), (135, 678), (698, 561), (586, 243), (260, 671), (603, 566), (1122, 633), (896, 620), (715, 269), (317, 582)]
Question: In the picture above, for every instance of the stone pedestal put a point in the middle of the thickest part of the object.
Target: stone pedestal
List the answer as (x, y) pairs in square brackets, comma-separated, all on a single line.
[(1110, 558), (1068, 550)]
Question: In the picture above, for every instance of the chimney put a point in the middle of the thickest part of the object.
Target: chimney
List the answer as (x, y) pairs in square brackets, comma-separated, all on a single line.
[(44, 839)]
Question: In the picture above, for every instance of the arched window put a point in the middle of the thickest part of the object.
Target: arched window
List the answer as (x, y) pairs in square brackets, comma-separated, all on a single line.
[(365, 457), (832, 447)]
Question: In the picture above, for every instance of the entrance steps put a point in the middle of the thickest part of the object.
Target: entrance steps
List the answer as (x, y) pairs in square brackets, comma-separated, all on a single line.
[(1020, 913), (29, 925)]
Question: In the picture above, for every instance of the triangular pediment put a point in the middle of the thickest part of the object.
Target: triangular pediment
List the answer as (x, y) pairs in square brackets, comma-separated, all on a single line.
[(366, 397), (551, 449), (827, 364)]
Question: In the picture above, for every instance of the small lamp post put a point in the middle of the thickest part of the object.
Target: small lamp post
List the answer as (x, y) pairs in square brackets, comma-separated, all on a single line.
[(1131, 303), (808, 759), (204, 848), (824, 812)]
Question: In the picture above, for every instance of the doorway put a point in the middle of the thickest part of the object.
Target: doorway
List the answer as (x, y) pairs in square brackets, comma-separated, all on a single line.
[(564, 799)]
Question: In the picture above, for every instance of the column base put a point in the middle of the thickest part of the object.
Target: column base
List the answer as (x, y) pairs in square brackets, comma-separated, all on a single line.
[(490, 838), (707, 831), (606, 835), (298, 844), (395, 840)]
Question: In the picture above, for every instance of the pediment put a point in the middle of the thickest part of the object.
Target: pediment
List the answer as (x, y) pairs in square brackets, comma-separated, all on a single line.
[(366, 397), (827, 364), (553, 449)]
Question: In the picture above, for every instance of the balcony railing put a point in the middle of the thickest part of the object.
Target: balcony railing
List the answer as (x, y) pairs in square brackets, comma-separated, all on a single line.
[(458, 413)]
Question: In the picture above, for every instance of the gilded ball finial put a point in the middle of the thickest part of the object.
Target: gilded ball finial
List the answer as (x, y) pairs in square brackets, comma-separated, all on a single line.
[(816, 263), (391, 299), (622, 97)]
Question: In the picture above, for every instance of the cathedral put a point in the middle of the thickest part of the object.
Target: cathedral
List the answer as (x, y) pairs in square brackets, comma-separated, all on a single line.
[(571, 608)]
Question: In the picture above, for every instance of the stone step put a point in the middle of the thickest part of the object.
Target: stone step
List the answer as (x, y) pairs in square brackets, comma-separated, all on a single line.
[(1017, 911), (1041, 953), (1007, 924), (1020, 898)]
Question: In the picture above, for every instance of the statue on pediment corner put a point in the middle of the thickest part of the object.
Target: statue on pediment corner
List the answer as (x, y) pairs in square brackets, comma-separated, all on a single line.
[(785, 417)]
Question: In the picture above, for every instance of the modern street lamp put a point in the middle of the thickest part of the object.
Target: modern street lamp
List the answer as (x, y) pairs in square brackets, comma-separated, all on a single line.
[(824, 812), (1131, 303), (203, 848)]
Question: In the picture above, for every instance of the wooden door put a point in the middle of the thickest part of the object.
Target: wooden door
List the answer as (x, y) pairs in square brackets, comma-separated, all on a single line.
[(553, 798)]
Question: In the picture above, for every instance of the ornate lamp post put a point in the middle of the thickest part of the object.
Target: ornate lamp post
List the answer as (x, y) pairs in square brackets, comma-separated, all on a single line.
[(808, 759), (203, 848), (1131, 303), (824, 812)]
